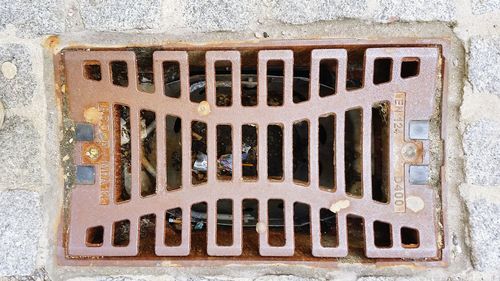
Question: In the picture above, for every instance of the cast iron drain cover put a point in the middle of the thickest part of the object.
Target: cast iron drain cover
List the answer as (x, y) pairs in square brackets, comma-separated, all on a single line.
[(290, 151)]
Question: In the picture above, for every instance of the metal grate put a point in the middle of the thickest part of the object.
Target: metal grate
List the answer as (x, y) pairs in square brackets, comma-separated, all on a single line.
[(261, 151)]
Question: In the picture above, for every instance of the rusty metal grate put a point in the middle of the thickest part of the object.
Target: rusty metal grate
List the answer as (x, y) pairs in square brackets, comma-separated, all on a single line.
[(305, 151)]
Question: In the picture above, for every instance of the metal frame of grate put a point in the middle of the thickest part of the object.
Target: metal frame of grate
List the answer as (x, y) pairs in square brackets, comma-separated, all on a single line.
[(95, 205)]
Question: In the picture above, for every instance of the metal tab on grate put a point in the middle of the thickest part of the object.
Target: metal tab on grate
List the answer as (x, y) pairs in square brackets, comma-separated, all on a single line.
[(301, 153)]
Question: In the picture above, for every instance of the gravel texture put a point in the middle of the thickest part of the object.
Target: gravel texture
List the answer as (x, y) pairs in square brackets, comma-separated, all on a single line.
[(417, 10), (35, 17), (484, 64)]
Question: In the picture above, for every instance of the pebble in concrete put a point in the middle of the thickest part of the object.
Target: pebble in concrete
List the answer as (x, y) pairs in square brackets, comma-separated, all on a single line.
[(17, 82), (401, 10), (20, 161), (120, 15), (484, 64), (19, 231), (481, 142), (35, 17)]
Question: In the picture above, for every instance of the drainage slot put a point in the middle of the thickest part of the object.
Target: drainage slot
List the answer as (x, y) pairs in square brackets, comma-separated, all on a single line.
[(382, 234), (172, 79), (302, 228), (353, 157), (119, 73), (223, 83), (122, 154), (301, 75), (301, 152), (276, 222), (199, 162), (224, 222), (355, 69), (275, 85), (356, 235), (148, 157), (121, 233), (380, 151), (250, 236), (410, 237), (197, 82), (249, 81), (95, 236), (275, 152), (147, 235), (326, 152), (199, 229), (224, 152), (174, 152), (410, 67), (328, 228), (382, 70), (328, 69), (145, 77), (249, 152), (92, 70), (173, 227)]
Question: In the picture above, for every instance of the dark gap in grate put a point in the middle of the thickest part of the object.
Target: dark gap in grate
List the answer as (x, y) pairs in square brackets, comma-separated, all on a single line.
[(356, 235), (250, 235), (382, 70), (92, 70), (173, 227), (302, 228), (197, 80), (410, 67), (275, 85), (225, 222), (382, 232), (224, 152), (223, 83), (380, 151), (326, 152), (199, 161), (145, 77), (172, 79), (353, 156), (328, 228), (328, 71), (199, 229), (301, 152), (148, 157), (275, 152), (174, 152), (301, 75), (95, 236), (410, 237), (123, 156), (355, 68), (121, 233), (147, 235), (249, 151), (249, 78), (119, 73), (276, 222)]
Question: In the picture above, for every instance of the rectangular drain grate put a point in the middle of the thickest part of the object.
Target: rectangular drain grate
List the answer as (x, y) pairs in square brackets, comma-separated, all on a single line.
[(291, 151)]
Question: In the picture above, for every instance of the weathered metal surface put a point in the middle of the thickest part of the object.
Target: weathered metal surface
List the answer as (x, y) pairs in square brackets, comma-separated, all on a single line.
[(91, 205)]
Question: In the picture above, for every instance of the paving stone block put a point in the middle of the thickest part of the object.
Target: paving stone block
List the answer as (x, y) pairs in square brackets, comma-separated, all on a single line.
[(484, 64), (418, 10), (220, 15), (19, 231), (35, 17), (480, 7), (17, 82), (481, 142), (120, 15), (20, 161)]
